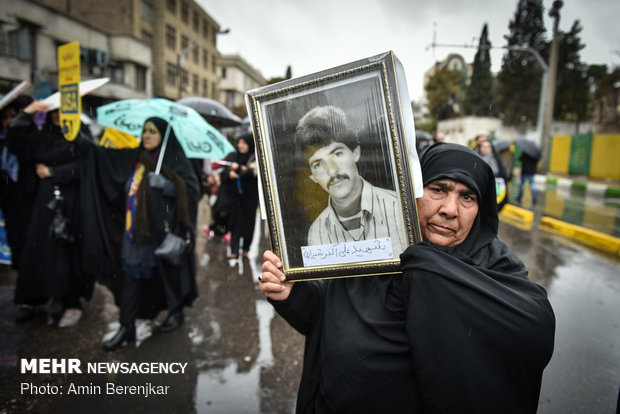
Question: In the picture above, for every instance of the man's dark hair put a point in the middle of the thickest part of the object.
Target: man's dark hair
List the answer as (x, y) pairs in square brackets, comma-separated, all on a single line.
[(321, 126)]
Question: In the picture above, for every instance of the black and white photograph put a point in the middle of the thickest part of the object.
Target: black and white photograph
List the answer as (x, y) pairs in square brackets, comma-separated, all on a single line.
[(330, 151)]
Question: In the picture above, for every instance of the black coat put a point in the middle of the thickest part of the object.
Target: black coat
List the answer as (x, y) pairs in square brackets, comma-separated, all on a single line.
[(17, 198), (462, 330), (51, 267), (105, 173)]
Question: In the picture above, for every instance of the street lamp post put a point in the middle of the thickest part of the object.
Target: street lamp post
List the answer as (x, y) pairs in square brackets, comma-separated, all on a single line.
[(554, 13)]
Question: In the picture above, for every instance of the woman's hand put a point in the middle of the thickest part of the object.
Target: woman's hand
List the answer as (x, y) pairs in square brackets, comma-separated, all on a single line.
[(36, 106), (43, 171), (272, 282)]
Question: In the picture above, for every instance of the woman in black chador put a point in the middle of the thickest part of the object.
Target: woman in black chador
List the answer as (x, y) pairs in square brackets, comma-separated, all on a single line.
[(463, 330), (240, 185), (50, 268), (149, 205)]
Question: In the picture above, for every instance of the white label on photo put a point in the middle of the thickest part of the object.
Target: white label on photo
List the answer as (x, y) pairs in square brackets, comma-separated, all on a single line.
[(347, 252)]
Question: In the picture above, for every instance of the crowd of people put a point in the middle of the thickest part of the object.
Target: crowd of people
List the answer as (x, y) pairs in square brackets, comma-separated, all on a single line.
[(462, 329), (60, 252)]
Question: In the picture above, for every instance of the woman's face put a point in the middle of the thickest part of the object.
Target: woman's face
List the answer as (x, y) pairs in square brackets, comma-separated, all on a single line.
[(447, 212), (242, 146), (151, 137)]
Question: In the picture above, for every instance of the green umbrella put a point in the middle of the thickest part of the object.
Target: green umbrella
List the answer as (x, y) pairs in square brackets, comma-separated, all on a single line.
[(197, 137)]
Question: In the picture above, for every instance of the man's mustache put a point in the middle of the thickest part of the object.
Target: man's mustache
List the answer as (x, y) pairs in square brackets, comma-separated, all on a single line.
[(336, 178)]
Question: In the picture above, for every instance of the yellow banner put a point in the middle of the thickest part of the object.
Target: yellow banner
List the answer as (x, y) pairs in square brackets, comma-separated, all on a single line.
[(113, 138), (69, 88)]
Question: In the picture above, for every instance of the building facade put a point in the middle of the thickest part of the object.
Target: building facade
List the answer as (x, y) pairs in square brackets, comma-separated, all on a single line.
[(182, 37), (236, 78), (30, 33)]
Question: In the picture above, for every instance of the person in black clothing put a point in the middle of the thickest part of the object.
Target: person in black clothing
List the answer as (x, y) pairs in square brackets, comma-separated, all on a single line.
[(50, 267), (240, 184), (462, 330), (18, 185), (528, 170), (121, 253)]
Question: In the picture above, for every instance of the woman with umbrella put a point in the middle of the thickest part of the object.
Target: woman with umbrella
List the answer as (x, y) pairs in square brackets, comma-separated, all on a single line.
[(151, 205)]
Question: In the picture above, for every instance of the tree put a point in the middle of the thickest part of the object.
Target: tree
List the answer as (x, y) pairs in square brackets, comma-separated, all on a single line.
[(604, 85), (520, 76), (479, 93), (444, 91), (572, 92), (288, 75)]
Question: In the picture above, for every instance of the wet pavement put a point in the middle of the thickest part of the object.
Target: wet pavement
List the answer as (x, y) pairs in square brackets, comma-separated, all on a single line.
[(243, 358)]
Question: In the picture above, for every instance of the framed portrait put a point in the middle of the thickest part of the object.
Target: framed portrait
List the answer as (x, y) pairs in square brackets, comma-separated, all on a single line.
[(337, 161)]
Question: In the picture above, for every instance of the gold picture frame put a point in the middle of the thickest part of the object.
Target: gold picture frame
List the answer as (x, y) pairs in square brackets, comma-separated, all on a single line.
[(337, 160)]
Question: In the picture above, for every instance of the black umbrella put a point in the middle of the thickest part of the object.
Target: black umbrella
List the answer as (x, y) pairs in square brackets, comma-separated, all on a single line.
[(423, 139), (214, 112), (501, 144), (529, 147)]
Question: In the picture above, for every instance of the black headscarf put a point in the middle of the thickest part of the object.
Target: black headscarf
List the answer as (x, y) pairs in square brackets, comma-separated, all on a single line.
[(243, 159), (174, 160), (480, 332), (462, 164)]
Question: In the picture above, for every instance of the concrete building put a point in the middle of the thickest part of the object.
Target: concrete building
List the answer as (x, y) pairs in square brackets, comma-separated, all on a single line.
[(453, 62), (462, 130), (30, 33), (236, 78), (181, 35)]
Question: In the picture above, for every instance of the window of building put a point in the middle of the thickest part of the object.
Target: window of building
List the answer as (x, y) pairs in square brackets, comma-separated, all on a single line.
[(140, 78), (205, 59), (184, 42), (205, 88), (230, 99), (184, 78), (171, 5), (118, 72), (205, 29), (19, 43), (196, 21), (171, 37), (171, 74), (195, 52), (146, 10), (223, 73), (185, 12), (213, 89), (195, 83), (146, 36), (213, 64)]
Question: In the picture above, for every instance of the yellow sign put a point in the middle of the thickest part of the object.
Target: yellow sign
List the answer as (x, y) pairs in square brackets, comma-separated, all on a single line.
[(113, 138), (69, 88)]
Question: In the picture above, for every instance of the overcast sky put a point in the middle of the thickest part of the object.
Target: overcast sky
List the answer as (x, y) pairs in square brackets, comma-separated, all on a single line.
[(312, 35)]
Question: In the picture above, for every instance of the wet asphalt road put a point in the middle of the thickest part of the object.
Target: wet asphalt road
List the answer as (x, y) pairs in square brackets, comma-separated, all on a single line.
[(241, 358)]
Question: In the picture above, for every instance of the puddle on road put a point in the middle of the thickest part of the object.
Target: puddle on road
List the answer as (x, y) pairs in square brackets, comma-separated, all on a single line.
[(217, 390)]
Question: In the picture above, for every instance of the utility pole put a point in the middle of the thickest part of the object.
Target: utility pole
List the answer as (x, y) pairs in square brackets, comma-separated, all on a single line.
[(554, 13)]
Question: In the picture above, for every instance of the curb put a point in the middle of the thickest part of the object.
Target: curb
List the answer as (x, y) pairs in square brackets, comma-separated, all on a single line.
[(591, 189), (523, 219), (586, 236)]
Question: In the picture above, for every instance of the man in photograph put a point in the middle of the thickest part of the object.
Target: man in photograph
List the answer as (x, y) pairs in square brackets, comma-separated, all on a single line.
[(356, 210)]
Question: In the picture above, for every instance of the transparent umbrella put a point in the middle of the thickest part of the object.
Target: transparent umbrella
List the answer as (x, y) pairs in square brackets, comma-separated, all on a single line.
[(214, 112), (529, 147)]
